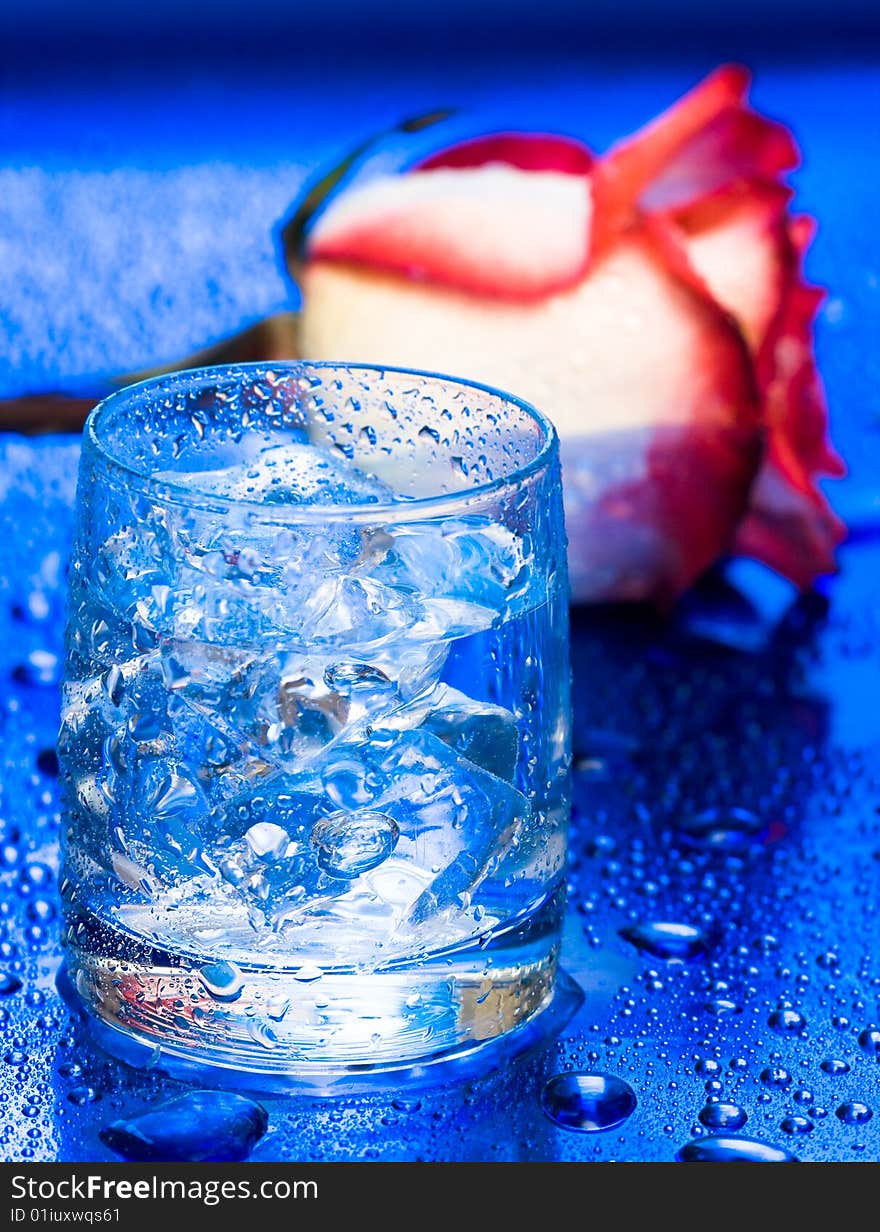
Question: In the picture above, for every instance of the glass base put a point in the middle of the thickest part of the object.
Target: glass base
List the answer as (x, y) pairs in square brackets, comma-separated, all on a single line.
[(475, 1059), (338, 1030)]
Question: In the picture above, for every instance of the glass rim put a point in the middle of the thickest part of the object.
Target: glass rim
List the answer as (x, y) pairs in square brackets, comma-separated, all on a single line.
[(183, 494)]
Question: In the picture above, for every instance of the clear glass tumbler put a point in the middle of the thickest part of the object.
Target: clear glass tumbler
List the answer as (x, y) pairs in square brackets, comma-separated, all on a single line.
[(315, 729)]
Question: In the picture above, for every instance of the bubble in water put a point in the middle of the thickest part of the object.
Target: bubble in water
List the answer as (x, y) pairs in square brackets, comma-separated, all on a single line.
[(664, 939), (869, 1040), (720, 1149), (267, 842), (797, 1125), (588, 1102), (784, 1020), (9, 984), (724, 830), (223, 980), (854, 1112), (353, 843), (833, 1066), (723, 1116), (201, 1126)]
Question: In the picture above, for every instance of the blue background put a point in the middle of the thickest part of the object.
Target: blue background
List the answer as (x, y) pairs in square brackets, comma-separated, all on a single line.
[(145, 162)]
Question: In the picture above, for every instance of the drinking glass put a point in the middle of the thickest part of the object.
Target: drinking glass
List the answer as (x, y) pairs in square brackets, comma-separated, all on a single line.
[(315, 730)]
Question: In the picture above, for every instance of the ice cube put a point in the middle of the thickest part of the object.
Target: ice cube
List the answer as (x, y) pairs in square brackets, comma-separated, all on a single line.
[(469, 560), (455, 820), (480, 731), (288, 474)]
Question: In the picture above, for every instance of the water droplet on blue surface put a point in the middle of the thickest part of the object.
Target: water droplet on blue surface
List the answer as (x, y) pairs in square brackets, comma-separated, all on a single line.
[(9, 984), (722, 1006), (784, 1020), (588, 1102), (41, 667), (722, 829), (869, 1040), (833, 1066), (720, 1149), (776, 1076), (723, 1116), (854, 1112), (797, 1125), (223, 980), (47, 763), (83, 1095), (663, 939), (211, 1126), (353, 843)]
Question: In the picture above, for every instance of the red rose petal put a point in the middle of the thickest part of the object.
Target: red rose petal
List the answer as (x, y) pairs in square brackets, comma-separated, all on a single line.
[(749, 253), (704, 142), (527, 151), (492, 230), (681, 481), (737, 241)]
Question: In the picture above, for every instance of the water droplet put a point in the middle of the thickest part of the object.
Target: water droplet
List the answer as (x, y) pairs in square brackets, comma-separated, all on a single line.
[(406, 1105), (201, 1126), (588, 1102), (834, 1067), (308, 973), (9, 984), (353, 843), (41, 667), (706, 1065), (47, 763), (784, 1020), (797, 1125), (828, 959), (776, 1076), (723, 830), (223, 980), (662, 939), (70, 1069), (277, 1007), (723, 1116), (267, 842), (869, 1040), (113, 684), (83, 1095), (261, 1034), (722, 1006), (720, 1149), (854, 1112)]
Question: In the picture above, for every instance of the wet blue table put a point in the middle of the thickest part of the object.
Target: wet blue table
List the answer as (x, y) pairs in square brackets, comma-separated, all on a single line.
[(136, 223)]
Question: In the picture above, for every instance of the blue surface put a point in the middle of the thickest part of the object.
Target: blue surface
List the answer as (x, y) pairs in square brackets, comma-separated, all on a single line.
[(137, 208)]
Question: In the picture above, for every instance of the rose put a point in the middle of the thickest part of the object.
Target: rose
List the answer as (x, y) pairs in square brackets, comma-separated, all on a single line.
[(651, 301)]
